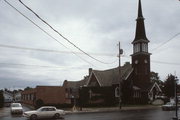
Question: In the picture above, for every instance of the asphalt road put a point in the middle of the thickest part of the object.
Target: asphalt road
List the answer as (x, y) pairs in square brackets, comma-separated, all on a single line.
[(148, 114), (152, 114)]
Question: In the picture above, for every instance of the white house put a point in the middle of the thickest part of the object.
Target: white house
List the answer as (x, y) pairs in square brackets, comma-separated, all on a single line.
[(8, 97)]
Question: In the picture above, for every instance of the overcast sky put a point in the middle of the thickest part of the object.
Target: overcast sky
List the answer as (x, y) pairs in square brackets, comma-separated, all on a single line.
[(95, 26)]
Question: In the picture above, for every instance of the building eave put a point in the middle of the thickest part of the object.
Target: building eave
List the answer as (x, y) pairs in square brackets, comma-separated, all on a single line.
[(140, 40), (129, 74), (155, 84), (141, 53), (95, 77)]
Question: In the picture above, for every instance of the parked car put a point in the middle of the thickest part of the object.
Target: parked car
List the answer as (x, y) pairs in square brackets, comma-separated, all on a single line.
[(44, 112), (16, 108), (169, 106), (178, 98)]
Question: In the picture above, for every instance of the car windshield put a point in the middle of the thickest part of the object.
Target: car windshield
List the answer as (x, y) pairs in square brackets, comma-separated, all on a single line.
[(39, 109), (169, 103), (15, 105)]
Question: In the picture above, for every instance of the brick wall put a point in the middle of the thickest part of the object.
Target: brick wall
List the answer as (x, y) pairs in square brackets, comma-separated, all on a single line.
[(48, 94), (51, 94)]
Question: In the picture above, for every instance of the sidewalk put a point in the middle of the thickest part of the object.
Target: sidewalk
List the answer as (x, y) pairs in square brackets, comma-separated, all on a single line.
[(101, 109), (110, 109)]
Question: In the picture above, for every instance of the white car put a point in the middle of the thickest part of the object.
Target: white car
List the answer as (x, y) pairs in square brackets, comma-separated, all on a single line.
[(16, 108), (169, 106), (44, 112)]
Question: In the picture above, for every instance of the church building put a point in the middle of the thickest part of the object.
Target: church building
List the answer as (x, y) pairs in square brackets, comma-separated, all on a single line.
[(102, 87)]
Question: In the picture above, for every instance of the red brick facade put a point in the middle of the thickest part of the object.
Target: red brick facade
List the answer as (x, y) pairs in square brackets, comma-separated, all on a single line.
[(48, 94)]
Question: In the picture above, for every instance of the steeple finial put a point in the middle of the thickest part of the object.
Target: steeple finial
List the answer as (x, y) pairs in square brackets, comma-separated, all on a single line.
[(140, 10)]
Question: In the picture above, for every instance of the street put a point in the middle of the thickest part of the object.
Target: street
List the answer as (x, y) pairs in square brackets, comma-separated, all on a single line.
[(153, 114), (143, 114)]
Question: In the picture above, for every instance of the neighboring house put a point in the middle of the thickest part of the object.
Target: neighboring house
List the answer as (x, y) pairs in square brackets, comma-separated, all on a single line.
[(8, 97), (47, 95), (17, 96)]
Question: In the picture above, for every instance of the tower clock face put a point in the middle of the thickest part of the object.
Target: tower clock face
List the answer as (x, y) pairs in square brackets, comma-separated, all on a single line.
[(145, 61), (136, 62)]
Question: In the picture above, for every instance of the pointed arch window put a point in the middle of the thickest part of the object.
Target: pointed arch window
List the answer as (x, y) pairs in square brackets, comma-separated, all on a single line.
[(144, 47), (137, 48), (117, 92)]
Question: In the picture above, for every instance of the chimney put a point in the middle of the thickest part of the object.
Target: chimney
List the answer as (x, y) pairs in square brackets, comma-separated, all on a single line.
[(65, 83), (90, 70)]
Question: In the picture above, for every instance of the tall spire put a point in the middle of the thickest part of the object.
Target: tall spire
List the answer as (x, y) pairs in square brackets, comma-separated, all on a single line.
[(140, 28), (140, 10)]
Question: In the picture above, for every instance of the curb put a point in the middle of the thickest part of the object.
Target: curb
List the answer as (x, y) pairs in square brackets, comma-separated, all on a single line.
[(111, 109)]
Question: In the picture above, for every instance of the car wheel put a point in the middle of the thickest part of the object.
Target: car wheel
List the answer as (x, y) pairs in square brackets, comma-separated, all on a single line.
[(33, 117), (57, 115)]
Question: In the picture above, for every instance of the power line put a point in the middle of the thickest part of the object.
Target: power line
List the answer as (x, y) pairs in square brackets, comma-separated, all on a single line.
[(61, 34), (26, 65), (165, 42), (55, 51), (73, 43), (45, 31), (160, 62), (38, 66), (63, 67)]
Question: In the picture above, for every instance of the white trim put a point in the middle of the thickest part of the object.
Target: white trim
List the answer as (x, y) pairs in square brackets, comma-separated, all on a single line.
[(116, 92), (90, 79), (129, 74), (154, 86)]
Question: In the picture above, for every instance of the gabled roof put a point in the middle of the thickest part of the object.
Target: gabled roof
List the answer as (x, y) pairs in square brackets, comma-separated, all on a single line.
[(75, 84), (111, 76), (8, 93), (150, 87), (155, 85)]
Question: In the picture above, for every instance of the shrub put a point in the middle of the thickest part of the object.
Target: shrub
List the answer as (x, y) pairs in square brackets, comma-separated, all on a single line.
[(39, 103), (1, 99)]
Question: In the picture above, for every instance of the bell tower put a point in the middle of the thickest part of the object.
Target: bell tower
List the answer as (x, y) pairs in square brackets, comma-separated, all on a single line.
[(140, 56)]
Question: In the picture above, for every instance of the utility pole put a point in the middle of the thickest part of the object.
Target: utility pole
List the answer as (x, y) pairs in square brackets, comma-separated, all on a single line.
[(176, 99), (120, 53)]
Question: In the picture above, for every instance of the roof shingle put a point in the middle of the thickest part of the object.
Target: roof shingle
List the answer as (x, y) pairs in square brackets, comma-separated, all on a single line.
[(110, 77)]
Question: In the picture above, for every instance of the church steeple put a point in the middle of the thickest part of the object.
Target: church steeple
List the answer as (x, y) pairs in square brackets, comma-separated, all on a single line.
[(140, 56), (140, 34)]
